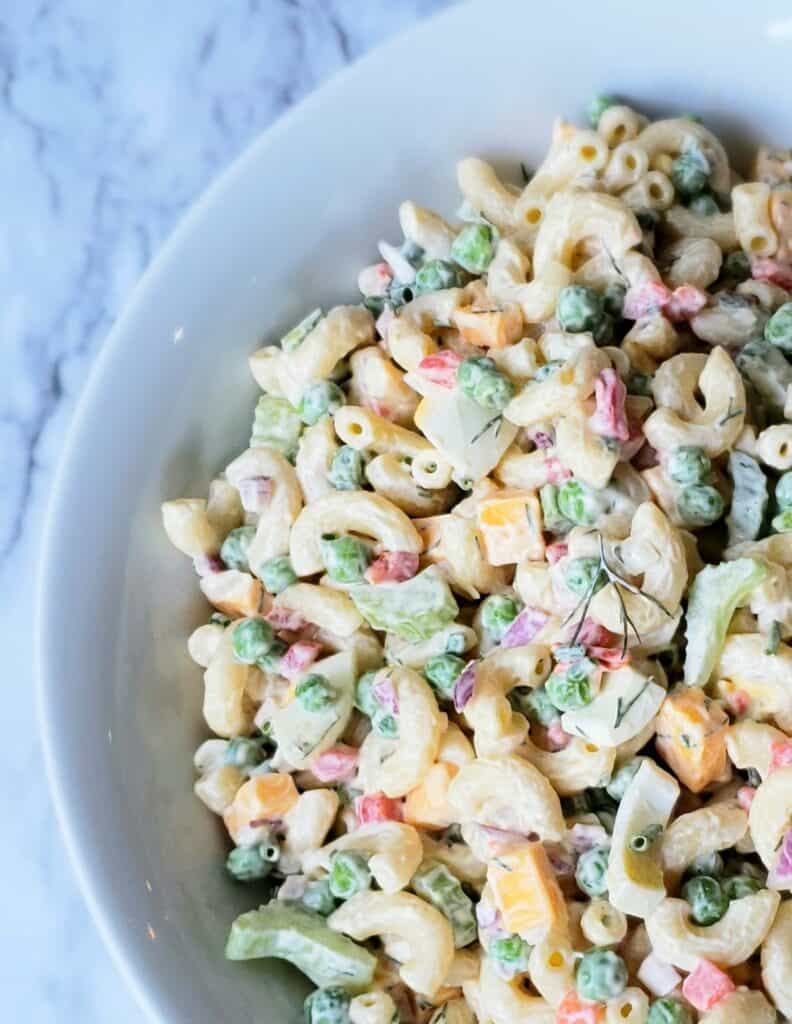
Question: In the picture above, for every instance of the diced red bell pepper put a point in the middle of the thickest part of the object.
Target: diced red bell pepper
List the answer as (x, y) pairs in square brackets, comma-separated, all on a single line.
[(336, 764), (393, 567), (441, 368), (685, 302), (706, 986), (774, 271), (555, 552), (377, 807), (780, 754), (574, 1010), (298, 658), (556, 473), (644, 299)]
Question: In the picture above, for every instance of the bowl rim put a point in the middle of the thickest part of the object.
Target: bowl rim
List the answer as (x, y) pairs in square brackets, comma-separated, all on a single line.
[(120, 944)]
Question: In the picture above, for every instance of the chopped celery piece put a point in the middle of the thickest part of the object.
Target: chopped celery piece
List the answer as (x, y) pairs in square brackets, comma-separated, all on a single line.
[(289, 932), (415, 609), (717, 591), (277, 425)]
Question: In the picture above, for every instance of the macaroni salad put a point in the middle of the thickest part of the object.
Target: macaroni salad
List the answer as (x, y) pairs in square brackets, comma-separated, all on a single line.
[(499, 670)]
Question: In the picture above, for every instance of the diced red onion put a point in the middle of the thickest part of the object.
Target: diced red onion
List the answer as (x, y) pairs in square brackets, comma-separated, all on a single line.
[(556, 473), (685, 302), (385, 692), (783, 866), (555, 552), (463, 687), (555, 737), (780, 754), (584, 837), (645, 299), (208, 565), (441, 368), (285, 618), (256, 492), (610, 418), (528, 624), (541, 438), (745, 796)]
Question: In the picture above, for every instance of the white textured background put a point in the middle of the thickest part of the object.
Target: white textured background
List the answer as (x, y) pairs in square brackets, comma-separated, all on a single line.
[(113, 119)]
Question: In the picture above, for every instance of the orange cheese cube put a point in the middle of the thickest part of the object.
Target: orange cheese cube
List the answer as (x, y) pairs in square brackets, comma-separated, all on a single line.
[(526, 892), (691, 737), (427, 805), (262, 799), (510, 525), (489, 328)]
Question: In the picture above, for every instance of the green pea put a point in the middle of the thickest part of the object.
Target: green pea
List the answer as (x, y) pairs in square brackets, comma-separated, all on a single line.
[(592, 867), (569, 652), (580, 308), (554, 521), (474, 247), (435, 883), (736, 266), (669, 1011), (690, 172), (455, 643), (700, 505), (689, 465), (578, 503), (497, 613), (783, 491), (327, 1006), (297, 335), (346, 558), (534, 704), (271, 660), (365, 700), (234, 550), (585, 576), (571, 689), (243, 752), (479, 379), (622, 778), (708, 902), (643, 841), (601, 975), (435, 275), (317, 896), (276, 424), (639, 384), (251, 640), (442, 672), (737, 886), (347, 469), (704, 205), (778, 329), (314, 692), (512, 951), (782, 523), (385, 725), (277, 574), (320, 399), (597, 107), (613, 300), (707, 864), (349, 874), (252, 863)]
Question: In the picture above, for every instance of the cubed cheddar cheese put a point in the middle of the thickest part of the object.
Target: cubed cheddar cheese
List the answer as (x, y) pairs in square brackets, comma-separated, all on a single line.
[(510, 525), (489, 328), (526, 892), (427, 805), (691, 737), (262, 799)]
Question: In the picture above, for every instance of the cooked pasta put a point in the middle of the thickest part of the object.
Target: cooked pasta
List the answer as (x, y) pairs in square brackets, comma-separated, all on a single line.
[(501, 728)]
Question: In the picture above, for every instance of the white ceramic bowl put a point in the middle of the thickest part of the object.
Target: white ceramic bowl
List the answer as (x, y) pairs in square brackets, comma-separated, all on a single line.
[(285, 229)]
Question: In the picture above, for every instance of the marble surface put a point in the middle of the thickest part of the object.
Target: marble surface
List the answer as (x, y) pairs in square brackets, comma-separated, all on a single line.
[(113, 119)]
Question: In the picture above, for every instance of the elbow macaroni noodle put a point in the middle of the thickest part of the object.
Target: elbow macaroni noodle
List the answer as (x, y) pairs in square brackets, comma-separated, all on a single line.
[(449, 703)]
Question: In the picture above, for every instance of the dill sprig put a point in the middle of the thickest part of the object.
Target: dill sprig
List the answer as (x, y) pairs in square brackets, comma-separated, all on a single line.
[(612, 576)]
